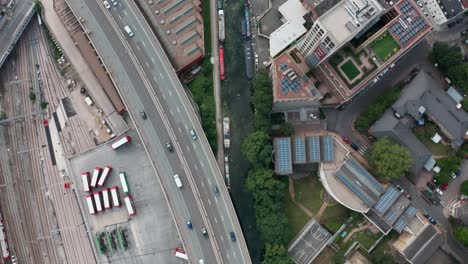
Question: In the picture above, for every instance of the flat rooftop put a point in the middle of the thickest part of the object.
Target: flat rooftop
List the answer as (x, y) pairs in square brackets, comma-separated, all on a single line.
[(290, 82), (347, 18)]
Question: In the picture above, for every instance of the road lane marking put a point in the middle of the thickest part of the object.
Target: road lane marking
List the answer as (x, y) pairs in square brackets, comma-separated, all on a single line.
[(120, 17), (195, 165), (172, 113), (209, 182), (144, 44), (125, 12), (216, 220), (170, 93), (222, 239), (222, 218), (202, 164), (178, 109), (186, 127), (152, 59), (203, 184), (138, 48), (162, 77), (209, 201), (164, 96), (188, 149), (180, 130), (147, 64)]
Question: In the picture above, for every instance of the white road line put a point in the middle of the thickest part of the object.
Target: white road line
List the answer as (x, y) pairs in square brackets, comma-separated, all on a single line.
[(120, 17), (172, 113), (195, 165), (147, 64), (203, 184), (202, 164), (180, 130), (144, 44), (125, 12), (222, 218), (170, 93), (222, 239), (138, 48), (164, 96), (162, 77), (209, 182), (186, 127), (209, 201), (188, 149), (152, 59), (178, 109), (216, 220)]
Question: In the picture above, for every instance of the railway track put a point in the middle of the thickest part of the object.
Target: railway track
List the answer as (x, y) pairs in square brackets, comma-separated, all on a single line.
[(48, 226)]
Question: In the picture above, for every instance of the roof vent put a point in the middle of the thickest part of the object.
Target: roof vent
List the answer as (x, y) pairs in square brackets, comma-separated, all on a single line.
[(168, 32), (156, 12), (174, 42), (163, 22), (458, 106)]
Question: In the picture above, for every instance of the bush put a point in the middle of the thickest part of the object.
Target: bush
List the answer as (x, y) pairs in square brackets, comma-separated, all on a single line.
[(376, 109), (447, 166), (464, 188), (32, 96), (389, 160)]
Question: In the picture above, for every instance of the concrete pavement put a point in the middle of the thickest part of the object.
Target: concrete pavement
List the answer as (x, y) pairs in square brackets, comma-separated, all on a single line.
[(147, 81)]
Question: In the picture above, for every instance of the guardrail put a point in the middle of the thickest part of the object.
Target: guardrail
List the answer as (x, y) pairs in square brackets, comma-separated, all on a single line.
[(18, 34)]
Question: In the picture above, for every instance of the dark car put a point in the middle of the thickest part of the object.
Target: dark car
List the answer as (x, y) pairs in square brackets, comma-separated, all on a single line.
[(143, 115), (458, 172), (189, 223), (459, 20), (431, 185), (204, 232), (432, 220), (398, 187), (216, 191), (426, 214), (408, 196), (169, 146), (232, 236), (444, 186), (354, 146)]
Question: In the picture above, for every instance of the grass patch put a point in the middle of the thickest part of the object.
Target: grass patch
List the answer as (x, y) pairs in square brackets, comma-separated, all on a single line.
[(334, 216), (425, 133), (350, 70), (385, 46), (308, 192), (296, 217), (376, 109), (206, 26)]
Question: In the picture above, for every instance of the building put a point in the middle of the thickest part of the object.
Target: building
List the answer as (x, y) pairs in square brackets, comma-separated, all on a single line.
[(293, 13), (179, 27), (337, 27)]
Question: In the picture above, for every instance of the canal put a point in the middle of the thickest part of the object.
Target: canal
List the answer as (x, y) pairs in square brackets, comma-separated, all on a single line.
[(235, 98)]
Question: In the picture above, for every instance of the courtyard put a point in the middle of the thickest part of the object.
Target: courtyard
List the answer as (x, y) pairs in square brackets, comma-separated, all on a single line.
[(385, 46)]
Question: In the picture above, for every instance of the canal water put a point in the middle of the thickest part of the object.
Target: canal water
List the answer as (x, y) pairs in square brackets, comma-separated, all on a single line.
[(235, 97)]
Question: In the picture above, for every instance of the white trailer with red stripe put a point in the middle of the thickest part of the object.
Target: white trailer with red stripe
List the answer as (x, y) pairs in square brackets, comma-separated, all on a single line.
[(85, 176), (180, 253), (3, 240), (97, 201), (121, 142), (90, 203), (105, 199), (130, 206), (115, 196), (104, 175), (95, 177)]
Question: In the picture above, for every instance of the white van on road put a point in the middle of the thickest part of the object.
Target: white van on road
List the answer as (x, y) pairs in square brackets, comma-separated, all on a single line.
[(129, 31), (177, 180)]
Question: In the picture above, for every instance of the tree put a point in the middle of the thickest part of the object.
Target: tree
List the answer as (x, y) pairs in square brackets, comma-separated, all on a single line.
[(44, 104), (446, 55), (461, 234), (464, 188), (260, 179), (265, 156), (458, 74), (276, 254), (262, 100), (273, 227), (381, 258), (32, 96), (464, 104), (254, 144), (389, 160), (447, 166), (286, 129)]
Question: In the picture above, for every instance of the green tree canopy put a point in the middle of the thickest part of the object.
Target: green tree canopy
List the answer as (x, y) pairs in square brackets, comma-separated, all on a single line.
[(253, 144), (461, 234), (446, 55), (276, 254), (447, 166), (389, 160), (464, 188), (262, 99), (260, 179)]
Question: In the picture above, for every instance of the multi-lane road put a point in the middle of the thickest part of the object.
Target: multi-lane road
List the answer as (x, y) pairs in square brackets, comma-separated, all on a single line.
[(147, 82)]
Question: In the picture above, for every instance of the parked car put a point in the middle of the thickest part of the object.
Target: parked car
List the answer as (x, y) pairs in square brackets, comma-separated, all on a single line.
[(347, 140), (439, 191), (426, 214), (232, 236), (432, 220), (398, 187), (408, 196), (444, 186), (458, 172), (106, 5), (431, 185), (354, 146), (143, 115)]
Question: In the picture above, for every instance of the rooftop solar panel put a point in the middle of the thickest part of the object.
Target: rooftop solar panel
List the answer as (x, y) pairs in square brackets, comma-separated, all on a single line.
[(376, 187), (299, 150), (400, 225), (283, 149), (355, 189), (314, 149), (411, 211), (391, 216), (386, 200), (328, 151)]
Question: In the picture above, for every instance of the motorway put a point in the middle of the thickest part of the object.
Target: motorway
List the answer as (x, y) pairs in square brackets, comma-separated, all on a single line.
[(147, 82), (11, 28)]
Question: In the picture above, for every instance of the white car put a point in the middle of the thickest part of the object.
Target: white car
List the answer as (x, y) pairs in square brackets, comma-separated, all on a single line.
[(440, 192), (114, 2), (106, 4)]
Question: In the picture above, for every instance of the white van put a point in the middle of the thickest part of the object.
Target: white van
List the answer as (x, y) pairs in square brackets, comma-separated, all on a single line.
[(177, 180), (129, 31)]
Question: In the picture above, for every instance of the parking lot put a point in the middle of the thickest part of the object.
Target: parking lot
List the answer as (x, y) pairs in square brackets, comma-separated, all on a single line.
[(309, 243), (151, 234)]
